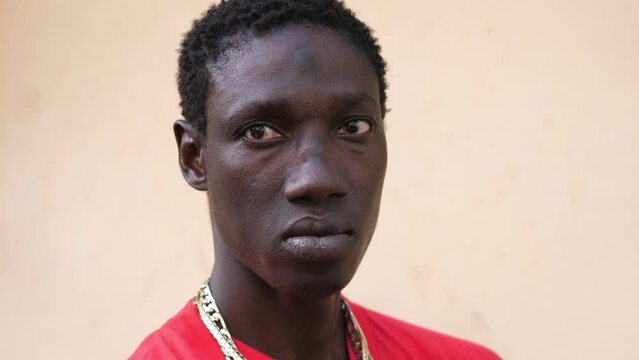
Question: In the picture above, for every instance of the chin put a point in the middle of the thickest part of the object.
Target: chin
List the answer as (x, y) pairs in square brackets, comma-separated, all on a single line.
[(311, 285)]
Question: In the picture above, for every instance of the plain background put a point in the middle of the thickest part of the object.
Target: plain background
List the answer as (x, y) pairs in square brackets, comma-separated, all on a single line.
[(511, 208)]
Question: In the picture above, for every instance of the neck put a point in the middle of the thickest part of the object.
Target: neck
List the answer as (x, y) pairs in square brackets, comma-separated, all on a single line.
[(279, 325)]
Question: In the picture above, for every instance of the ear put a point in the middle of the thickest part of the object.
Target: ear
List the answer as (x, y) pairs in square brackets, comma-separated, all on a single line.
[(191, 154)]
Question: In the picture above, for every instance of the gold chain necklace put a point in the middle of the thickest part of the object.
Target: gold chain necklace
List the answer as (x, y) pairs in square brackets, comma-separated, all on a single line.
[(212, 319)]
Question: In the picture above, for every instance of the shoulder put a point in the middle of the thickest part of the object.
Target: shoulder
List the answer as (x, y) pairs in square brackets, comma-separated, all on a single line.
[(389, 336), (181, 337)]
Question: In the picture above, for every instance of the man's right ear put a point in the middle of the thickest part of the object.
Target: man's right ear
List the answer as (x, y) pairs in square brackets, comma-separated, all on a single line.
[(191, 154)]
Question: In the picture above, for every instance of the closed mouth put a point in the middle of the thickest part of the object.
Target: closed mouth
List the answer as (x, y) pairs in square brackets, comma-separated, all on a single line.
[(318, 227)]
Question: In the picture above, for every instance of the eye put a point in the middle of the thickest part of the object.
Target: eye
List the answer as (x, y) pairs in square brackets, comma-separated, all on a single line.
[(261, 132), (355, 127)]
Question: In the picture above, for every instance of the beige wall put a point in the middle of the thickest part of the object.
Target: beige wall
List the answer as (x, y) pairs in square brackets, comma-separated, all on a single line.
[(510, 213)]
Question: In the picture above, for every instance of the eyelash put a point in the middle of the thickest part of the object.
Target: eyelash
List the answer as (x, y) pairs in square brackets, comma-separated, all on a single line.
[(242, 130), (371, 123)]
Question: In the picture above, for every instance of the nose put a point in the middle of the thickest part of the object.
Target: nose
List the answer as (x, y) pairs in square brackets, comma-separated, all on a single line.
[(314, 176)]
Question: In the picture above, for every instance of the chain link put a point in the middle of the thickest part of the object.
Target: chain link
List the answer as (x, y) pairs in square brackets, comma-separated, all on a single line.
[(212, 319)]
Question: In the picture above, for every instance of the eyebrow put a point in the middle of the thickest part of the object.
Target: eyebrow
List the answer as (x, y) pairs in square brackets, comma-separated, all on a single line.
[(348, 98), (342, 100)]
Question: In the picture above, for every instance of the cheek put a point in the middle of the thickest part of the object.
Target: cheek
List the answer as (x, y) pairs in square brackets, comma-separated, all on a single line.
[(367, 174), (367, 170), (241, 191)]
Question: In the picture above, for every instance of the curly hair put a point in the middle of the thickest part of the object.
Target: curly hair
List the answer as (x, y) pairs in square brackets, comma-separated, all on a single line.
[(213, 34)]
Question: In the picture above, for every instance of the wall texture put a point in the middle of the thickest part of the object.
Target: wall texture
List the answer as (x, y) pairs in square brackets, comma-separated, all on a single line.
[(511, 208)]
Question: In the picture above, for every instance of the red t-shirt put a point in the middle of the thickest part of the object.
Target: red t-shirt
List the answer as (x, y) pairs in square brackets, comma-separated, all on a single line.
[(186, 337)]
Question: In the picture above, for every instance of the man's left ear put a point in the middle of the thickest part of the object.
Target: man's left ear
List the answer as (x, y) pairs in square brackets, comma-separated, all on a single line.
[(191, 154)]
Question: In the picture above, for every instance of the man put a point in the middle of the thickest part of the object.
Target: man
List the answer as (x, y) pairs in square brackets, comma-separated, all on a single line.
[(284, 104)]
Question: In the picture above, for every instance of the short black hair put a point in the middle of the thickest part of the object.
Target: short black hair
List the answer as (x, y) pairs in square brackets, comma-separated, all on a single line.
[(209, 38)]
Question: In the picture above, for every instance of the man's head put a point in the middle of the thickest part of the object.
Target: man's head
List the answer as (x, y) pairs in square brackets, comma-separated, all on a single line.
[(289, 141), (232, 23)]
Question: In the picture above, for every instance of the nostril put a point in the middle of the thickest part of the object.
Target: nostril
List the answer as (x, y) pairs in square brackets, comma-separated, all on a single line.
[(302, 201), (314, 186), (313, 195)]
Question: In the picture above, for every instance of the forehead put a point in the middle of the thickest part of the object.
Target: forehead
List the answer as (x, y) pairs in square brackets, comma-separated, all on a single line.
[(290, 64)]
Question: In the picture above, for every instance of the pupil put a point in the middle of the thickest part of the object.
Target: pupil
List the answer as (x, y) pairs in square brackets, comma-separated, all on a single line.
[(257, 132), (352, 127)]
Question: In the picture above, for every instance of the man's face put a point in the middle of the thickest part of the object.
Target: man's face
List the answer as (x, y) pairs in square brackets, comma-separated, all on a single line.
[(295, 157)]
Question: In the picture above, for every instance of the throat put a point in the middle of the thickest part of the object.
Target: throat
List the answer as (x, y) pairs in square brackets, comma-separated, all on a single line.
[(278, 325)]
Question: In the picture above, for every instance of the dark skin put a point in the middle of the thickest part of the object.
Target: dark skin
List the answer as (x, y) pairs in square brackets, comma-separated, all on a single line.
[(293, 162)]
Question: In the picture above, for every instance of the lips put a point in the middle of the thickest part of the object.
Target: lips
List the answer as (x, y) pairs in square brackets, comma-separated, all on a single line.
[(320, 227), (318, 239)]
